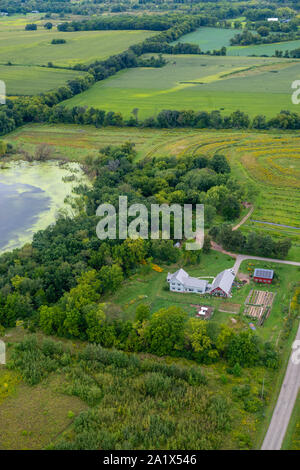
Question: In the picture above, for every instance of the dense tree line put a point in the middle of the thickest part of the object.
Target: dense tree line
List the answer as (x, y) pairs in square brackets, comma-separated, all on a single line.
[(262, 37), (255, 243), (122, 22), (220, 10), (46, 108)]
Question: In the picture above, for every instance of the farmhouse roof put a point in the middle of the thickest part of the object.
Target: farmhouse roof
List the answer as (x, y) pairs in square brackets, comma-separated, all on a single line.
[(182, 276), (264, 273), (224, 281)]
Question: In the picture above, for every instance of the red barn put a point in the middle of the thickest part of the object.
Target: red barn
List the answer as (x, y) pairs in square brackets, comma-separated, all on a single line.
[(222, 284), (263, 275)]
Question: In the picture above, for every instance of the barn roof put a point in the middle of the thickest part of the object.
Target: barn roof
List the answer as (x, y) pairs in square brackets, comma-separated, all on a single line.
[(224, 281), (264, 273)]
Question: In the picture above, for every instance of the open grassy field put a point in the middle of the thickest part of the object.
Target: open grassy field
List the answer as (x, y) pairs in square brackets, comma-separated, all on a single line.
[(292, 437), (39, 416), (34, 47), (23, 80), (266, 162), (254, 85), (214, 38), (208, 38), (17, 22)]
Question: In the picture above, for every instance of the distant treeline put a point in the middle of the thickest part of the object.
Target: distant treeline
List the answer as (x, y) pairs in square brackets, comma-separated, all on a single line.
[(122, 22), (175, 119), (247, 37), (45, 108)]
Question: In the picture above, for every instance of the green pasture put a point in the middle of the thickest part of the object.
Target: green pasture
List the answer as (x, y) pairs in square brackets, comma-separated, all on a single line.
[(208, 39), (30, 80), (17, 22), (253, 85), (22, 47)]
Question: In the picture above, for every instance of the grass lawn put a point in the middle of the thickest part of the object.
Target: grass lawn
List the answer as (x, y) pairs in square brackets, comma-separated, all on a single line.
[(34, 47), (23, 80), (151, 288), (268, 162), (292, 437), (254, 85)]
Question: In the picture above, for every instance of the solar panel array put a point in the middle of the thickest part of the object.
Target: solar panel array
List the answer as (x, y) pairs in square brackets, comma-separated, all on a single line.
[(264, 273)]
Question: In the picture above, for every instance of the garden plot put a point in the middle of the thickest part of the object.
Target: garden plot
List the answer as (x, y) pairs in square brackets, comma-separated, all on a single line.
[(203, 311), (258, 305)]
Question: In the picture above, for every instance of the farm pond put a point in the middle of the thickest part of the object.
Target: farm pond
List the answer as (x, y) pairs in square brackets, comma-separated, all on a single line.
[(31, 195)]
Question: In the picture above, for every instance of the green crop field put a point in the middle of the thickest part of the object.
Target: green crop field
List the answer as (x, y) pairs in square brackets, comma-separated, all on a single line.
[(208, 38), (17, 22), (254, 85), (215, 38), (23, 80), (22, 47), (267, 162)]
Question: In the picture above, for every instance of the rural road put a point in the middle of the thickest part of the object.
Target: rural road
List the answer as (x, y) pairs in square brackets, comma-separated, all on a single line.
[(241, 258), (284, 406), (291, 384)]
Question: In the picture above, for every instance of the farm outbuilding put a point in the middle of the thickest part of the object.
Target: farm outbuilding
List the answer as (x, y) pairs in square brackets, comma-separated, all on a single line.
[(222, 284), (263, 275)]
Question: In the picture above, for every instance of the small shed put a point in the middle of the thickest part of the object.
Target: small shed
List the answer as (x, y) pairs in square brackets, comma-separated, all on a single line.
[(263, 275)]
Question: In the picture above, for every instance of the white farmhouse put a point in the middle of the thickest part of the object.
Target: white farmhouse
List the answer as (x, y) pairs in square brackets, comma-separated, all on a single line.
[(180, 281), (272, 19)]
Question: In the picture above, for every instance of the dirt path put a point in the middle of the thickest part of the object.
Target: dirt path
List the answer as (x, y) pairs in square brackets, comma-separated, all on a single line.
[(219, 248), (244, 219)]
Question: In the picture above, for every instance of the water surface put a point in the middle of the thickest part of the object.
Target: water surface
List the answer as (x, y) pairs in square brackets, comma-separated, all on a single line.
[(31, 195)]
